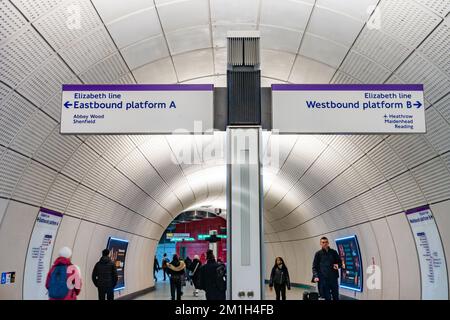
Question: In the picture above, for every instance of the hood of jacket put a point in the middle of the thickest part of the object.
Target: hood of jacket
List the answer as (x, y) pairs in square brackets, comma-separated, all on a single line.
[(62, 260), (105, 259), (180, 267)]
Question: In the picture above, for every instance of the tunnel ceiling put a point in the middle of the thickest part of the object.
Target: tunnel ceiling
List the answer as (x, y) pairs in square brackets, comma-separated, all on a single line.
[(322, 183)]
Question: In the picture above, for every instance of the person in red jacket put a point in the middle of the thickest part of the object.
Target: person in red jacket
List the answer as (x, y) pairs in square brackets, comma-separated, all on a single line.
[(64, 278)]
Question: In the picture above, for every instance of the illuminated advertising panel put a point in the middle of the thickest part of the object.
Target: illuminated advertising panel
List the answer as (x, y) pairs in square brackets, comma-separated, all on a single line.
[(351, 271)]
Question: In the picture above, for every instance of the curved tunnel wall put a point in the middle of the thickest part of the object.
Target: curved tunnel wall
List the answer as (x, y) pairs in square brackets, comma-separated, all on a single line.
[(126, 186)]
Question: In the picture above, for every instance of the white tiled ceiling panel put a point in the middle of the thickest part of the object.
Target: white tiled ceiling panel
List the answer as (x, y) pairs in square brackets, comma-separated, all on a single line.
[(323, 50), (291, 14), (135, 27), (334, 26)]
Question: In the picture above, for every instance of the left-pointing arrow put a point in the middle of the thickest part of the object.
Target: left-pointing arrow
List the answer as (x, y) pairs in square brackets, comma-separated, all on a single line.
[(67, 104)]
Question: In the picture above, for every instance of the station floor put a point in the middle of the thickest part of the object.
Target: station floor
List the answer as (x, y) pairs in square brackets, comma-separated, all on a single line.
[(162, 292)]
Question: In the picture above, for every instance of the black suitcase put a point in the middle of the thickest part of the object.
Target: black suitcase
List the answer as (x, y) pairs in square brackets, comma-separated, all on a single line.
[(310, 295)]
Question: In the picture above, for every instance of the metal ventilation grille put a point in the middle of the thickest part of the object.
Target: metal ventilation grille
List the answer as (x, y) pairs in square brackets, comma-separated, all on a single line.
[(251, 51), (243, 51), (244, 97), (235, 50)]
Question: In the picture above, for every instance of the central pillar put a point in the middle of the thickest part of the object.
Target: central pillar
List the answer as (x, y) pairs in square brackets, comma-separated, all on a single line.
[(245, 280)]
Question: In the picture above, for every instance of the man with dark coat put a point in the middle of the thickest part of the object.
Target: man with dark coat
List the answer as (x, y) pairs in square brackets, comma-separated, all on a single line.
[(212, 278), (325, 270), (105, 276)]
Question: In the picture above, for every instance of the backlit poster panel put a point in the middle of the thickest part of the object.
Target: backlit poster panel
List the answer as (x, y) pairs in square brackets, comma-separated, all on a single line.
[(117, 252), (351, 271)]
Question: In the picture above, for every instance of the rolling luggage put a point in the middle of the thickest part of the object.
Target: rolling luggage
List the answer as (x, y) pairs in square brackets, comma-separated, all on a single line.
[(307, 295)]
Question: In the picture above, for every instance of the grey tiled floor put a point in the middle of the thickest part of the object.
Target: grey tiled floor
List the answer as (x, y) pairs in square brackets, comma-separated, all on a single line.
[(162, 292)]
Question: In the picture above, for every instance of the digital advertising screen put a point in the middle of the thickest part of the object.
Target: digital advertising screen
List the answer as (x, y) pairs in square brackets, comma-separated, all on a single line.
[(351, 271), (117, 253)]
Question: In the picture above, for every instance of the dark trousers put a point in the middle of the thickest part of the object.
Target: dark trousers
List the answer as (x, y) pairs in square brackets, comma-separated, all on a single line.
[(175, 287), (155, 272), (329, 288), (105, 292), (280, 289), (164, 273)]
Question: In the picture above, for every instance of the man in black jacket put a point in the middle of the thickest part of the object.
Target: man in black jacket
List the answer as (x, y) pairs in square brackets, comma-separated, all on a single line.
[(325, 269), (105, 276), (213, 278)]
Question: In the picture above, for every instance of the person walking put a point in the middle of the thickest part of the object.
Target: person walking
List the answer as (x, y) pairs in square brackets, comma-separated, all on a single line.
[(156, 268), (176, 270), (213, 278), (105, 276), (279, 278), (195, 274), (325, 270), (63, 281), (164, 262)]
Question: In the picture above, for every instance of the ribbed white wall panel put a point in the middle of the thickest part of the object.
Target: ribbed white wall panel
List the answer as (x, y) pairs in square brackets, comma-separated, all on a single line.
[(346, 149), (119, 150), (60, 192), (34, 184), (12, 166), (342, 77), (57, 149), (364, 69), (434, 180), (388, 202), (133, 166), (101, 143), (437, 46), (11, 20), (442, 107), (440, 7), (67, 23), (106, 71), (21, 55), (34, 9), (365, 142), (13, 119), (407, 21), (97, 173), (407, 191), (386, 160), (438, 132), (55, 72), (381, 48), (368, 172), (354, 181), (79, 201), (88, 50), (33, 134), (417, 69), (4, 92), (412, 149), (80, 162)]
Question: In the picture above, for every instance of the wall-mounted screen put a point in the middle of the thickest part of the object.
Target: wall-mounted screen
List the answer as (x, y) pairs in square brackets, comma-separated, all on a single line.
[(117, 252), (351, 271)]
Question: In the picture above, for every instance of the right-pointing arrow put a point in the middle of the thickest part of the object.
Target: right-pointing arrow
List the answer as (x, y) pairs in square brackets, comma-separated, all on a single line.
[(418, 104)]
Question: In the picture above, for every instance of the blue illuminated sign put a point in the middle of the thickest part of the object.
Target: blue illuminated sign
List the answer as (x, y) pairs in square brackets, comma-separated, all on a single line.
[(351, 271), (118, 251)]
